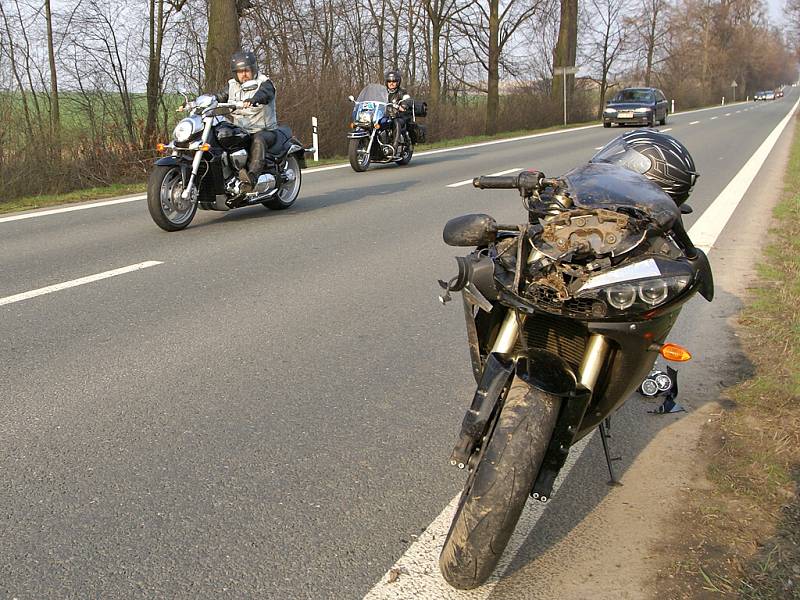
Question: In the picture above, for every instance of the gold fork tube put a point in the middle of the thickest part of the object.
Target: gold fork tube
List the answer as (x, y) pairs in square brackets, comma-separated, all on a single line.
[(597, 350)]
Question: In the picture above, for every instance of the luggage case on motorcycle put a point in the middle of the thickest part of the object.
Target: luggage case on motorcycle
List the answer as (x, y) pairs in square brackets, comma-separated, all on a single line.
[(420, 108)]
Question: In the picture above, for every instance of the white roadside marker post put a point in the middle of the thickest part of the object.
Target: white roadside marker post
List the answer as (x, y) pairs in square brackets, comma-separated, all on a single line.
[(315, 138)]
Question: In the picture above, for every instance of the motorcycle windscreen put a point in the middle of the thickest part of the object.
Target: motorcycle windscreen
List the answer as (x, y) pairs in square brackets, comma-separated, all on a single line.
[(611, 187), (373, 92)]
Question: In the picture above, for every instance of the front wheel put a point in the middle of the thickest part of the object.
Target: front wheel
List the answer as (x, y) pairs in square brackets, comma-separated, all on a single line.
[(168, 209), (495, 494), (289, 190), (357, 153)]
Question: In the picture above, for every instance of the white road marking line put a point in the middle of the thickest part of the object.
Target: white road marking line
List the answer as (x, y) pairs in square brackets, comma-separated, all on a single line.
[(738, 111), (76, 282), (712, 118), (694, 123), (708, 227), (419, 570), (665, 130), (601, 147), (469, 181), (419, 567), (727, 114), (55, 211)]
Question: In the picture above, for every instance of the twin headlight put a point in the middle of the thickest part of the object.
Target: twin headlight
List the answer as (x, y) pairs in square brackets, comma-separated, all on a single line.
[(640, 286), (365, 117)]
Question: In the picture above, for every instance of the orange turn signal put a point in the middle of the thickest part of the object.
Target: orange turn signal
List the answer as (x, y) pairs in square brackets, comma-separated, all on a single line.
[(675, 353), (205, 147), (160, 147), (377, 125)]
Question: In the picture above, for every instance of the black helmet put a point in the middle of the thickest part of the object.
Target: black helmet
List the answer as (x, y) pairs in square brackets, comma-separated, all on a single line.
[(658, 156), (244, 60), (393, 75)]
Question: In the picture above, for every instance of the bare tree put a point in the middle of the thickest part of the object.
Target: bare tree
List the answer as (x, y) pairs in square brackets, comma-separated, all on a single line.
[(607, 35)]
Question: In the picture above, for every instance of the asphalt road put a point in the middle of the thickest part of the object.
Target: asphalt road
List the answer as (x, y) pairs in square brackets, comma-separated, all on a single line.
[(268, 412)]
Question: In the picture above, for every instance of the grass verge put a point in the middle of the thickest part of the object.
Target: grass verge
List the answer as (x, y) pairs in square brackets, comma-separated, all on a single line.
[(746, 543)]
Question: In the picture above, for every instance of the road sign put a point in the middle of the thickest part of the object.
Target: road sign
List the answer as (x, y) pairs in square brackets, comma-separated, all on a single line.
[(734, 84), (567, 70)]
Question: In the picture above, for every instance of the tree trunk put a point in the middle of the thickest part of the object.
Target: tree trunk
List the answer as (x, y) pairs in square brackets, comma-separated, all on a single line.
[(566, 47), (55, 116), (435, 83), (223, 40), (154, 69), (493, 80)]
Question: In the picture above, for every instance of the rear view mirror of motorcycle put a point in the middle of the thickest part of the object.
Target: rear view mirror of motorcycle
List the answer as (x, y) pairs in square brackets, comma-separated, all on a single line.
[(350, 97), (249, 86), (470, 230), (686, 209)]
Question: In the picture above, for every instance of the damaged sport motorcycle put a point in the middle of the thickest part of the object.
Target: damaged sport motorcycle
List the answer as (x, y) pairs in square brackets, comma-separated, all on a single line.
[(202, 169), (566, 314), (372, 133)]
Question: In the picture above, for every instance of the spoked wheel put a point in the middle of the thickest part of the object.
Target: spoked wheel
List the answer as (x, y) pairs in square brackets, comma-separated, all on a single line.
[(405, 157), (168, 209), (289, 190), (495, 494), (357, 152)]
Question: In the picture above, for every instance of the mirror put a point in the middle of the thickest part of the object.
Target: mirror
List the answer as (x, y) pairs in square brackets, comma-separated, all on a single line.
[(470, 230), (350, 97), (249, 86)]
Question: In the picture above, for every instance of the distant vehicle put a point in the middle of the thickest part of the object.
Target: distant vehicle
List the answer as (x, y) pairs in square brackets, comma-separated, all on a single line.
[(639, 106), (764, 95), (779, 93)]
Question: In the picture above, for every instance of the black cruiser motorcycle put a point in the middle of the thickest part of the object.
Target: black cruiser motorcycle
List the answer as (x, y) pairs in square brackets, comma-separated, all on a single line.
[(566, 314), (372, 129), (202, 170)]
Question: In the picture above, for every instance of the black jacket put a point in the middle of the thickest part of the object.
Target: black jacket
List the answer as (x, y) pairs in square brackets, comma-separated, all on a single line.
[(397, 96)]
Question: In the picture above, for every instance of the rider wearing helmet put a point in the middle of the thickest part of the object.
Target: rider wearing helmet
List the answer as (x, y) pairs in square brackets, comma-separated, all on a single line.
[(658, 156), (258, 116), (398, 96)]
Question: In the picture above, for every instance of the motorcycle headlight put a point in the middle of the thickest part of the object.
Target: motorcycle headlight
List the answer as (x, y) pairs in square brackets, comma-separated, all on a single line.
[(638, 287), (365, 117), (183, 130), (621, 296)]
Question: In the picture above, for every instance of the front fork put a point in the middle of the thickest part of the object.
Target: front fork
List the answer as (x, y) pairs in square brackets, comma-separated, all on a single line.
[(198, 157), (500, 366)]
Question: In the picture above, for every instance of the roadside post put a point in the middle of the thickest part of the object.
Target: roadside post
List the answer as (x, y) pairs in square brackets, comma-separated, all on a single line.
[(734, 86), (723, 101), (315, 138), (566, 70), (672, 110)]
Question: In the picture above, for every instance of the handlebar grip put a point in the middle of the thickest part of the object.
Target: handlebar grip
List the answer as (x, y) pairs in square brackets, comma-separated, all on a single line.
[(503, 182)]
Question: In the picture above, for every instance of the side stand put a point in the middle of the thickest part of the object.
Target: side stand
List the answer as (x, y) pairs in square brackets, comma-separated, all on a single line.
[(605, 428)]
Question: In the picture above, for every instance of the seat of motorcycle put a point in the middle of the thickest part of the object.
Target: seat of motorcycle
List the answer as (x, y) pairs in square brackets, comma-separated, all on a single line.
[(281, 144)]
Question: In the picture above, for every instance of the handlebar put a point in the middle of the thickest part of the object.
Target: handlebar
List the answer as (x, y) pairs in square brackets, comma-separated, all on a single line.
[(526, 182)]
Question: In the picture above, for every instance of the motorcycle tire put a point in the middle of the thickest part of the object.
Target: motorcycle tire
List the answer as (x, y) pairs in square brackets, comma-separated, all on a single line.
[(289, 191), (359, 164), (497, 489), (405, 158), (167, 209)]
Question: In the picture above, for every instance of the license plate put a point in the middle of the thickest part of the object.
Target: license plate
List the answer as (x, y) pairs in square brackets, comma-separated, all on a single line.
[(628, 114)]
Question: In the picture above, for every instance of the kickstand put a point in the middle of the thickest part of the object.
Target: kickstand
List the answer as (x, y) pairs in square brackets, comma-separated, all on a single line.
[(604, 435)]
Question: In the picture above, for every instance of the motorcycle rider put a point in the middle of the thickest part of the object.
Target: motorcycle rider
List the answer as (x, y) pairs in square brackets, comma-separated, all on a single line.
[(399, 96), (258, 116)]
